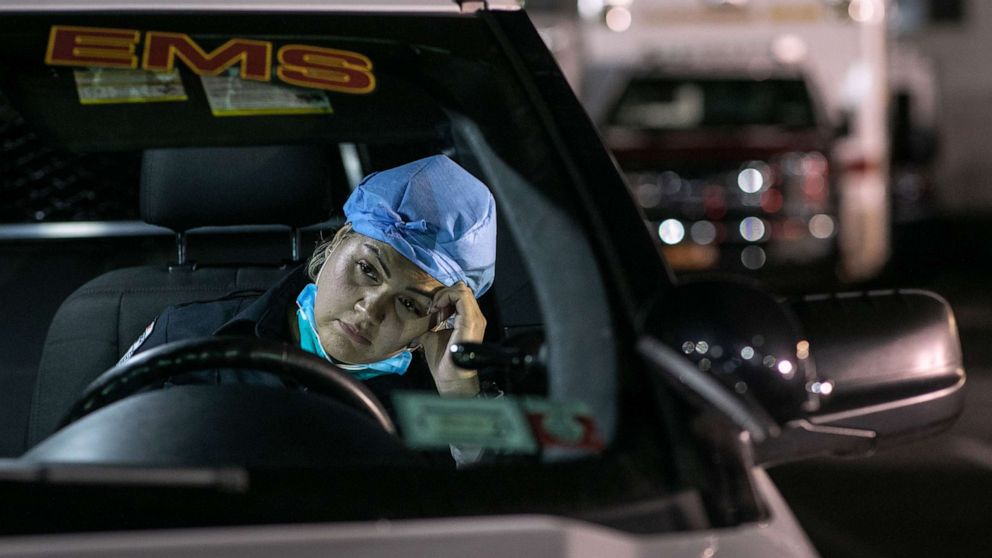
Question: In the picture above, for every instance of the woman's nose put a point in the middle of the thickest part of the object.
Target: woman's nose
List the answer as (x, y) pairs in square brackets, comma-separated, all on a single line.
[(373, 305)]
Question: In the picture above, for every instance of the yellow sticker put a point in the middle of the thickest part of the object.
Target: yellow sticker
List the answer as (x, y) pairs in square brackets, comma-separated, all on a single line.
[(229, 95), (100, 86)]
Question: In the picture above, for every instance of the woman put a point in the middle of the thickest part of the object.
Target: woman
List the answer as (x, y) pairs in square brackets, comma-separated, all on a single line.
[(404, 273), (419, 246)]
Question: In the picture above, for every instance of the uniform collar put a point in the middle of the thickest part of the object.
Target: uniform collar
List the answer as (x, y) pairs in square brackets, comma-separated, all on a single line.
[(266, 316)]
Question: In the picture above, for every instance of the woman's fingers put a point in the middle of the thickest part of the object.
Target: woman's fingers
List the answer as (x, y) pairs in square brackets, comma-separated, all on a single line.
[(457, 299), (450, 295)]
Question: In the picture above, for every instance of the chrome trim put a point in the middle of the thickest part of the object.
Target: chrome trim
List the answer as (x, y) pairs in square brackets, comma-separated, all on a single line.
[(82, 229), (369, 6), (180, 248), (352, 163), (115, 229), (296, 241), (891, 405)]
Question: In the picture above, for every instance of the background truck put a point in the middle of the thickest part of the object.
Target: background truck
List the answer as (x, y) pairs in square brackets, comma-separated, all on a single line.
[(789, 99)]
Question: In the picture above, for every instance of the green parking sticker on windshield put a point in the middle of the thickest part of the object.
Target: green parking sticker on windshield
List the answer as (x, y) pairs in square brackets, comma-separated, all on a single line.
[(429, 421)]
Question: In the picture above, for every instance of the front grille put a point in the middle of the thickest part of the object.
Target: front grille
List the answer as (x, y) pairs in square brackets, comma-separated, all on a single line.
[(751, 212)]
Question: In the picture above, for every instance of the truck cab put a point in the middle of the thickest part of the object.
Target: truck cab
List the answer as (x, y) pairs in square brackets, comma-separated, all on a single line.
[(835, 51)]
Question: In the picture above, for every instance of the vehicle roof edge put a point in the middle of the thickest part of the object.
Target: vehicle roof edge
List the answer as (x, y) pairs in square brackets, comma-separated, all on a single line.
[(378, 6)]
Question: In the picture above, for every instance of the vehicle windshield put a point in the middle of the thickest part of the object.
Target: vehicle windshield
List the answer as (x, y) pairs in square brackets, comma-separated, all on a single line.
[(123, 143), (672, 103)]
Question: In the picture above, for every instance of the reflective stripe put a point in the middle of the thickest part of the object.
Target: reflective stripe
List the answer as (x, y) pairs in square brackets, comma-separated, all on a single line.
[(134, 347)]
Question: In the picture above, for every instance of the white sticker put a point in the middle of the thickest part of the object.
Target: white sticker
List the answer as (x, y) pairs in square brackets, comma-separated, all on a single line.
[(230, 95), (137, 344), (98, 86), (429, 421)]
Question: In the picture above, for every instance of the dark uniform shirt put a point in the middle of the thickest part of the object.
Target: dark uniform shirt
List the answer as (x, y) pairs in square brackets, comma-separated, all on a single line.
[(258, 314)]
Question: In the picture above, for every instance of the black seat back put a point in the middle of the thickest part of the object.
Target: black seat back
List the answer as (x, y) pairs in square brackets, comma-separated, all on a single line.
[(180, 189)]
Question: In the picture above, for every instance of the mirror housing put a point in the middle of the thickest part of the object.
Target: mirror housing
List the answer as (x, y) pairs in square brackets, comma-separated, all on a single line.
[(894, 367), (878, 368)]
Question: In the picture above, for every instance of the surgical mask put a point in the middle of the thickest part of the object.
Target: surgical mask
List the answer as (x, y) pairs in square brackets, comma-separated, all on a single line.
[(310, 342)]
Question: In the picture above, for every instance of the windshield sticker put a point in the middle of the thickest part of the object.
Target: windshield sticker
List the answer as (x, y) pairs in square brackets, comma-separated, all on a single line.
[(230, 96), (431, 422), (99, 86), (306, 66), (562, 423)]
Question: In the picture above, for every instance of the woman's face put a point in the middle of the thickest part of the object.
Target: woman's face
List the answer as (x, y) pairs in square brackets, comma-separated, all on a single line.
[(371, 301)]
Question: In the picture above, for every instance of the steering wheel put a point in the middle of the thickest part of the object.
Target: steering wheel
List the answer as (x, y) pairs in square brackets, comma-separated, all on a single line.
[(280, 359)]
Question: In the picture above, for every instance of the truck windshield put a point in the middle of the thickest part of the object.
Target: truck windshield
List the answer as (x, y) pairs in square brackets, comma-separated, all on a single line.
[(670, 103)]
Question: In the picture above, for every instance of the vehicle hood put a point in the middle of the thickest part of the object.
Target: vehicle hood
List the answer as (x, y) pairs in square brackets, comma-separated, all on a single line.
[(707, 145)]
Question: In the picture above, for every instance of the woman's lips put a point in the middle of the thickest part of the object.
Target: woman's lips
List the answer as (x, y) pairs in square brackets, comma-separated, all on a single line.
[(352, 333)]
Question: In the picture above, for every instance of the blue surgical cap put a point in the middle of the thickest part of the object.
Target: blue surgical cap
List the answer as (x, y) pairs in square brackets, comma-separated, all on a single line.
[(435, 214)]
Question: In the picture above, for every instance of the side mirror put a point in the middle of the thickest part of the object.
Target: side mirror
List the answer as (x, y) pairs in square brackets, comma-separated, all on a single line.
[(893, 361), (865, 370)]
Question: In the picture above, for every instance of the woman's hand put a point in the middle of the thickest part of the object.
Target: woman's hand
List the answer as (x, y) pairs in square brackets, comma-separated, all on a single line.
[(469, 326)]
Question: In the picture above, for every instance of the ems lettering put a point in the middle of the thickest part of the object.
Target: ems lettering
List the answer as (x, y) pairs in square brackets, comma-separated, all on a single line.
[(162, 49), (325, 68), (302, 65), (92, 47)]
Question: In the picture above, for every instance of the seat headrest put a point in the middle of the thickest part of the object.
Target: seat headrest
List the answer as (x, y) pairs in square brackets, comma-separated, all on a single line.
[(215, 186)]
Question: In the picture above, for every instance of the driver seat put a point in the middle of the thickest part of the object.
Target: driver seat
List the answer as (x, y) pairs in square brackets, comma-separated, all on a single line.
[(181, 189)]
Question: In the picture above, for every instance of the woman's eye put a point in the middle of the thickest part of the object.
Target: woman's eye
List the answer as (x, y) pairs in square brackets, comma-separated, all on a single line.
[(367, 269), (412, 306)]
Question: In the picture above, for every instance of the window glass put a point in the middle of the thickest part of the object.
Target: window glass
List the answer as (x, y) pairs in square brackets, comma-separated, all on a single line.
[(41, 182), (75, 130), (679, 104), (565, 421)]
